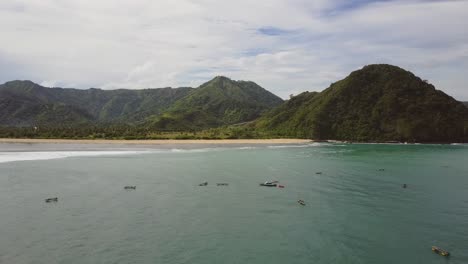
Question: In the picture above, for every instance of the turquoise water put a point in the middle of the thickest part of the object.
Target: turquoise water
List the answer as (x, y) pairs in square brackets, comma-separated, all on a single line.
[(354, 213)]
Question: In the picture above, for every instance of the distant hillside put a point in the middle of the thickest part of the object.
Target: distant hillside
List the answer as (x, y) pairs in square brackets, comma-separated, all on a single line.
[(24, 103), (220, 101), (376, 103), (465, 103)]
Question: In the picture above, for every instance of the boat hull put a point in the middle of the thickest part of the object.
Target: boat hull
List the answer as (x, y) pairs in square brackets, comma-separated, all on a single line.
[(440, 251), (268, 185)]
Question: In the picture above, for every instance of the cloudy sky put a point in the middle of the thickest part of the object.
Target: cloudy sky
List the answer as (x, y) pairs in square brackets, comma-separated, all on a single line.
[(286, 46)]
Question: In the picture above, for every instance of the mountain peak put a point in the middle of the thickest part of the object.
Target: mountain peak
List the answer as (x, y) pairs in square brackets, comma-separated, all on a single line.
[(22, 83), (381, 71), (382, 66), (220, 79)]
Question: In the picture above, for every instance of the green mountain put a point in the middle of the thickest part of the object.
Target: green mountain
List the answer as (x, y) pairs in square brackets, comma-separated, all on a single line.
[(376, 103), (220, 101), (24, 103)]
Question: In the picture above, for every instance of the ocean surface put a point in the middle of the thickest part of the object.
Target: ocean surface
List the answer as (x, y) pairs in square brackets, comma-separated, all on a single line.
[(356, 210)]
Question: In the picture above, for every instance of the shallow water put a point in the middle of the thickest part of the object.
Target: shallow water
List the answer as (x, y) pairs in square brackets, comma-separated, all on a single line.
[(354, 213)]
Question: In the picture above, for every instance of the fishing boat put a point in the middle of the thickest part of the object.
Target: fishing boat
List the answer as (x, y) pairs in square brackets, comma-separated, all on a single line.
[(269, 184), (130, 187), (440, 251), (222, 184), (301, 202), (49, 200), (203, 184)]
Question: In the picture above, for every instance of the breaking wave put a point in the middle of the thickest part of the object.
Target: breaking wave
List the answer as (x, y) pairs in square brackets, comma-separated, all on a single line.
[(48, 155), (12, 156), (315, 144)]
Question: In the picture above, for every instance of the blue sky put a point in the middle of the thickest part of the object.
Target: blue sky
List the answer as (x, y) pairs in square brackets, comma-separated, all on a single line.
[(286, 46)]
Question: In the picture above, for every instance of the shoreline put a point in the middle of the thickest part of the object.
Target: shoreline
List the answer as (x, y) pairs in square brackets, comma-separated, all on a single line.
[(156, 141)]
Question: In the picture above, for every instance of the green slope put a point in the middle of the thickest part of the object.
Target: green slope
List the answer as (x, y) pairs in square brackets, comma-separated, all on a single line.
[(218, 102), (24, 103), (376, 103)]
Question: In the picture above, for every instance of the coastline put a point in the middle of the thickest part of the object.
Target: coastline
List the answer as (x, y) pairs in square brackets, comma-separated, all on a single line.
[(156, 141)]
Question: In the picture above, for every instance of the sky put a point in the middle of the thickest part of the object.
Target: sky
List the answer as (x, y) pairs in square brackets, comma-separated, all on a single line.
[(286, 46)]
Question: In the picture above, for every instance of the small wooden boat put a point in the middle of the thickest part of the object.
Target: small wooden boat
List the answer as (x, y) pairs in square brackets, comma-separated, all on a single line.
[(269, 184), (203, 184), (440, 251), (130, 187), (301, 202), (49, 200), (318, 172), (222, 184)]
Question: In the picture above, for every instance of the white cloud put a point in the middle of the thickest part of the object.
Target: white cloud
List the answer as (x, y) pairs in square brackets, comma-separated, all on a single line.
[(149, 43)]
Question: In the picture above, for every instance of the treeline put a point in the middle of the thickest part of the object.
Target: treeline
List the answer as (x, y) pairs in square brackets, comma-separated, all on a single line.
[(128, 132)]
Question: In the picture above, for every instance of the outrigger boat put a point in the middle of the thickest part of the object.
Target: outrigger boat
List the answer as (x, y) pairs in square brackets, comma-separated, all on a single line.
[(269, 184), (440, 251)]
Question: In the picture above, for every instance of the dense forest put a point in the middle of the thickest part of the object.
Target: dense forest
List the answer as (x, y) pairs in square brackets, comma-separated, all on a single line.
[(122, 131)]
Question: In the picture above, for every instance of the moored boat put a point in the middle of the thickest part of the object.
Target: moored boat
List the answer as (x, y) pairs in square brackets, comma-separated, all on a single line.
[(440, 251), (49, 200), (269, 184)]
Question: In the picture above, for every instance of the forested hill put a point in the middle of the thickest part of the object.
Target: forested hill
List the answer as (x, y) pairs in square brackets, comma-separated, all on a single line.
[(218, 102), (376, 103), (24, 103)]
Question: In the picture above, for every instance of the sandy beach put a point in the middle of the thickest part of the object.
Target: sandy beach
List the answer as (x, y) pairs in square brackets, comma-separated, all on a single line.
[(157, 142)]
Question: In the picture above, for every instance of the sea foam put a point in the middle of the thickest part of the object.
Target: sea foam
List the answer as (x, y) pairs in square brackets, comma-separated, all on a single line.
[(12, 156), (48, 155)]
